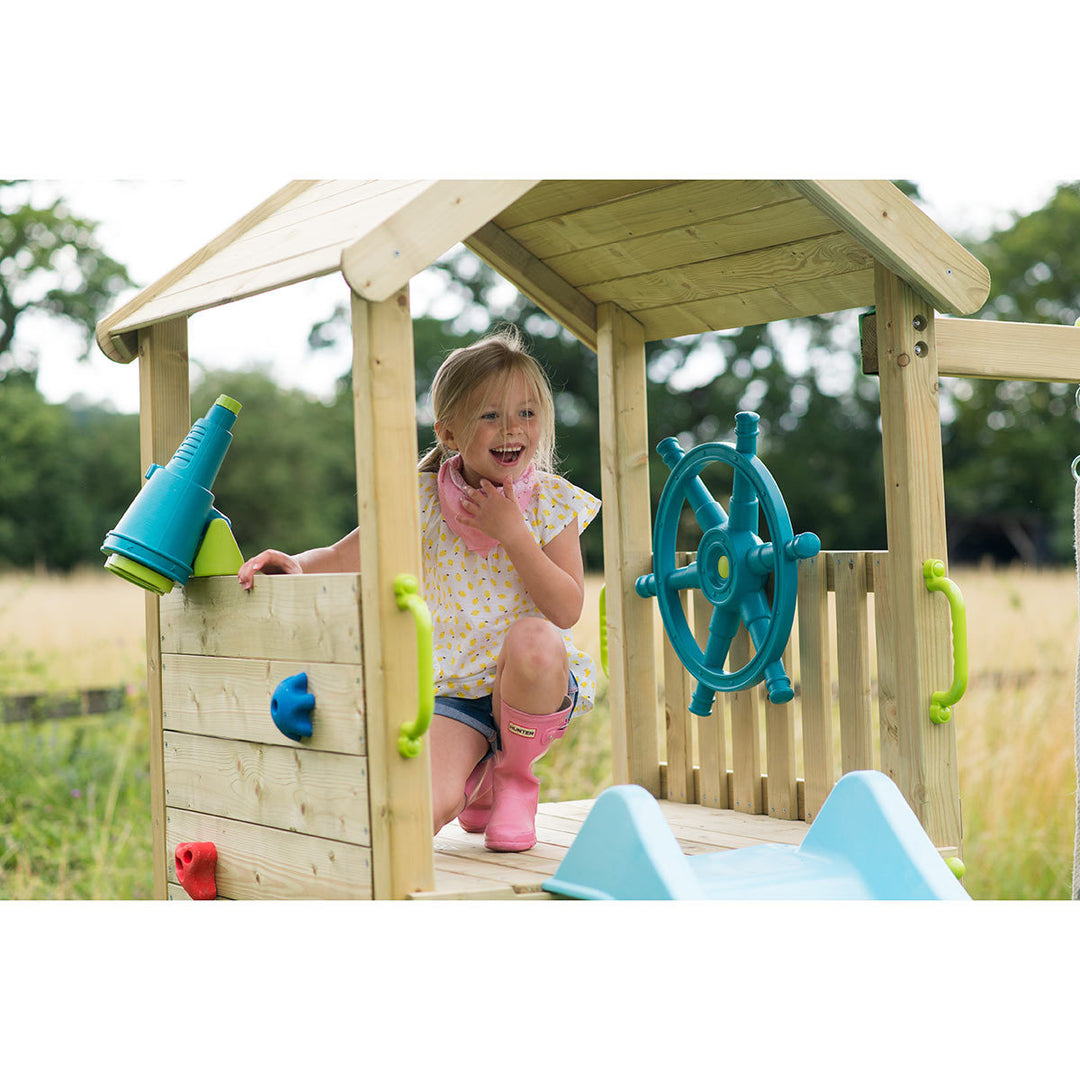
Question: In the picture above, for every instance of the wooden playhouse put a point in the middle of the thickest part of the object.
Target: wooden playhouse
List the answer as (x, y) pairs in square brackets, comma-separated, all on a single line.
[(618, 263)]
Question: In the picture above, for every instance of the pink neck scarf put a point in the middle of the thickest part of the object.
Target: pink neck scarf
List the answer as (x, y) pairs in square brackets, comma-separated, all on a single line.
[(452, 487)]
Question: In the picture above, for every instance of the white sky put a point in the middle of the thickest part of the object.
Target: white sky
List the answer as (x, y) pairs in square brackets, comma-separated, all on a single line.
[(152, 225)]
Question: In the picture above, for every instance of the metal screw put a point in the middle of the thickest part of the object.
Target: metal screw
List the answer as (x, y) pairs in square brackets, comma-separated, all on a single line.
[(920, 348), (919, 322)]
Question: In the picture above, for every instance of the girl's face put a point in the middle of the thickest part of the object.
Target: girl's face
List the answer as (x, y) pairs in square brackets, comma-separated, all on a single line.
[(506, 427)]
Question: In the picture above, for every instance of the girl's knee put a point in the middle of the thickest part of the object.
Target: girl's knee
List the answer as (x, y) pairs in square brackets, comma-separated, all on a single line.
[(535, 646)]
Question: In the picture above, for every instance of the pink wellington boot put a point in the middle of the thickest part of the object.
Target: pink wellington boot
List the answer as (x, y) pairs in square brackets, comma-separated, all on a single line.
[(474, 817), (515, 790)]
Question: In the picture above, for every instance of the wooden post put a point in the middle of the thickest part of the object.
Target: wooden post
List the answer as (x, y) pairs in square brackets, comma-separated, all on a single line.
[(164, 421), (745, 733), (816, 689), (384, 402), (624, 471), (915, 519)]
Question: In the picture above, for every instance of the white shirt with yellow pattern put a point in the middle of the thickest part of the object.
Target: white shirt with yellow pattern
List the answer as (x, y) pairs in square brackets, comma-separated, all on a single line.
[(474, 599)]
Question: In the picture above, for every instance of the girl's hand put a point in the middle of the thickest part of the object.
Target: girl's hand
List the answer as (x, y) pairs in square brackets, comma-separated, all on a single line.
[(494, 511), (267, 562)]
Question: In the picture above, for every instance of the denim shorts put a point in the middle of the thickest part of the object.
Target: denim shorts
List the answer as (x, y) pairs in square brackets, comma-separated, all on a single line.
[(477, 712)]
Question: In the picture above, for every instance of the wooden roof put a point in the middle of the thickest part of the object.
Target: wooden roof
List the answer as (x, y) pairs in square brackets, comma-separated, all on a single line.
[(681, 257)]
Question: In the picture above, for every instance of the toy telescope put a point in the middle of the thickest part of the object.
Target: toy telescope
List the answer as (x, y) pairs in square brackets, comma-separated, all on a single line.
[(171, 529)]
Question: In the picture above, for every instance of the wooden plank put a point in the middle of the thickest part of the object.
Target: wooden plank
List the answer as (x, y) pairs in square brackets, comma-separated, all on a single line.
[(853, 661), (624, 479), (745, 732), (915, 523), (693, 822), (257, 863), (784, 301), (683, 205), (815, 686), (295, 789), (301, 240), (363, 202), (733, 234), (438, 216), (775, 267), (123, 347), (384, 410), (164, 421), (540, 861), (904, 240), (677, 717), (782, 789), (537, 281), (986, 349), (302, 618), (243, 281), (712, 746), (884, 631), (230, 698), (450, 885), (552, 197)]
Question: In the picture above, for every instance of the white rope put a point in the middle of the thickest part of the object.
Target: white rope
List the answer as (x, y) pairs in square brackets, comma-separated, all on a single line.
[(1076, 706)]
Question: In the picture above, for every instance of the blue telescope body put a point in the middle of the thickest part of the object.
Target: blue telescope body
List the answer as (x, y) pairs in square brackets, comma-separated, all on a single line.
[(156, 542)]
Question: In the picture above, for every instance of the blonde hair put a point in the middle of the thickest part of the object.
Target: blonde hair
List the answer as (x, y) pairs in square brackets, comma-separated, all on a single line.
[(498, 358)]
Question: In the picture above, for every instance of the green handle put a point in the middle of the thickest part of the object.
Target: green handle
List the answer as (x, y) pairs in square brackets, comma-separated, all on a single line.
[(603, 630), (407, 593), (942, 700)]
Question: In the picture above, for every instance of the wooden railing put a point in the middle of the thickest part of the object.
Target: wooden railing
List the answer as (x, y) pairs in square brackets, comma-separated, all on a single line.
[(787, 768)]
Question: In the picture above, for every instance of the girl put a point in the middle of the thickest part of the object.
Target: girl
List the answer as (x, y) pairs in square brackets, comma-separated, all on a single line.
[(503, 578)]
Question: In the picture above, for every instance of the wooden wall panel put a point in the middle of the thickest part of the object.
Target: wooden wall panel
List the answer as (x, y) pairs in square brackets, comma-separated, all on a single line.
[(296, 789), (300, 617), (230, 698), (258, 863)]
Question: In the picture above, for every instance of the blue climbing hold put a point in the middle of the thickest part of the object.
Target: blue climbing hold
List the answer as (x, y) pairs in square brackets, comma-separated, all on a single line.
[(291, 706)]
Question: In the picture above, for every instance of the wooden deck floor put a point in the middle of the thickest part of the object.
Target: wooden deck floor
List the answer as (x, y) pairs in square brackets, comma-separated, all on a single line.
[(466, 870)]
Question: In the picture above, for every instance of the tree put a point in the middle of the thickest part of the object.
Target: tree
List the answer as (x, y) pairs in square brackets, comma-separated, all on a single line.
[(52, 262), (67, 476), (1008, 448), (288, 479)]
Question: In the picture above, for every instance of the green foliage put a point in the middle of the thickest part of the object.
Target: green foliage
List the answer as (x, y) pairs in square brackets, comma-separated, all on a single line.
[(1008, 449), (74, 809), (288, 480), (51, 262), (68, 472)]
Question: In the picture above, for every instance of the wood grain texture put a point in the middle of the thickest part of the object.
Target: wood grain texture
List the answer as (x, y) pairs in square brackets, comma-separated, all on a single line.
[(853, 661), (624, 478), (441, 213), (712, 744), (915, 522), (291, 788), (782, 789), (815, 691), (259, 863), (384, 410), (230, 698), (296, 617), (164, 421), (904, 240)]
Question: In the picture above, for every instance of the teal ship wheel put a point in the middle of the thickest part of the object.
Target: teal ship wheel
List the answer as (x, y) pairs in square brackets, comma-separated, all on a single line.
[(732, 567)]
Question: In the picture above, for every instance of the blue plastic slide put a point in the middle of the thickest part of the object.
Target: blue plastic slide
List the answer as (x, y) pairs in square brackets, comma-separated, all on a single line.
[(866, 844)]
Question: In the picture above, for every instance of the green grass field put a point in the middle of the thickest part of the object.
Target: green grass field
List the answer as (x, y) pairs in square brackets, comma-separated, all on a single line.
[(74, 793)]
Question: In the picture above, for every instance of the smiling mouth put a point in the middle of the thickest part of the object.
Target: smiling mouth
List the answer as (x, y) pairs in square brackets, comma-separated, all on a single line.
[(507, 457)]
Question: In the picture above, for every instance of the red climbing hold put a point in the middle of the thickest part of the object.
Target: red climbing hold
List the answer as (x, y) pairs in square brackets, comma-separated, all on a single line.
[(195, 865)]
